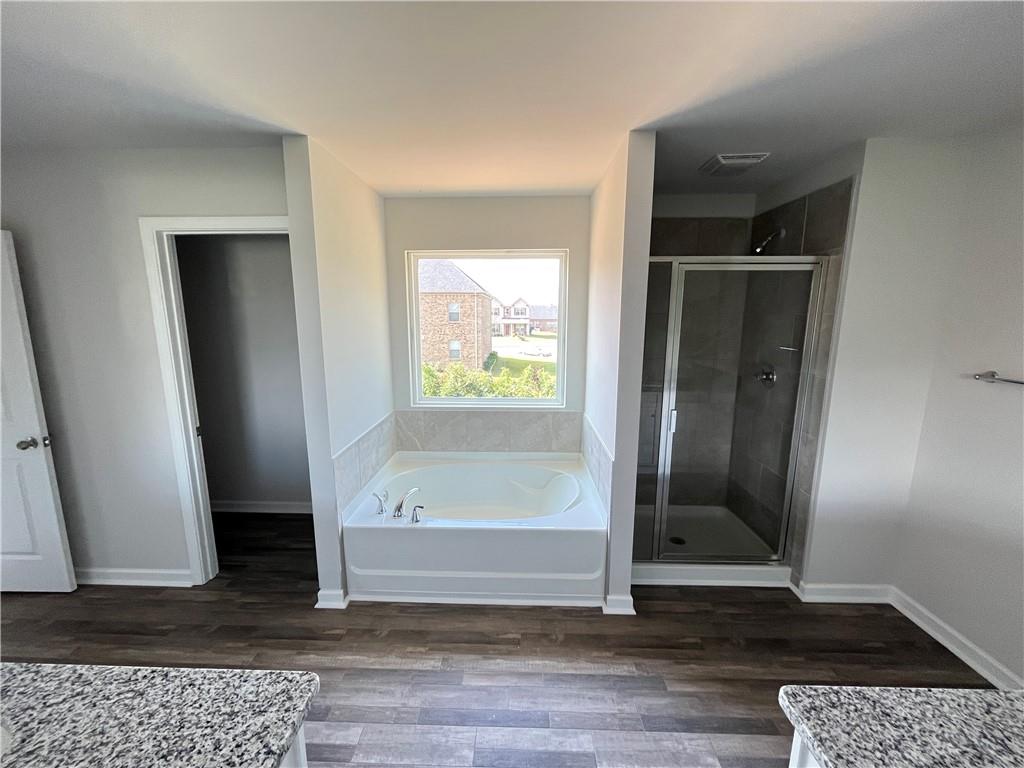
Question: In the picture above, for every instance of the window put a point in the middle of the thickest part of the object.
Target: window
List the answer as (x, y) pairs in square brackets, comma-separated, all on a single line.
[(496, 356)]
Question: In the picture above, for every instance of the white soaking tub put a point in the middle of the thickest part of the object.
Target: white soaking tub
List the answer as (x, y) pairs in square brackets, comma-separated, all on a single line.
[(495, 528)]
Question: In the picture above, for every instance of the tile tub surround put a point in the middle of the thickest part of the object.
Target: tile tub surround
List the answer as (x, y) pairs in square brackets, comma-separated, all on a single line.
[(598, 461), (855, 727), (96, 715), (491, 431), (355, 464)]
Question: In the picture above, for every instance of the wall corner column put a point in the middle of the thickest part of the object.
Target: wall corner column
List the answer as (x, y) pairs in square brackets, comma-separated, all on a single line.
[(302, 245)]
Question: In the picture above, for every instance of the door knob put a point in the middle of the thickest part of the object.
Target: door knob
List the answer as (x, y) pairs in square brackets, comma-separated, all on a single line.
[(24, 445)]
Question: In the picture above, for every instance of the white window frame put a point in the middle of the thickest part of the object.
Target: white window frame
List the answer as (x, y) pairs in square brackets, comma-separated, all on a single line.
[(455, 345), (417, 399), (457, 313)]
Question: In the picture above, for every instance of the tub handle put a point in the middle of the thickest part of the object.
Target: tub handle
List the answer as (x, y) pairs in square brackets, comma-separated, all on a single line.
[(416, 513), (381, 498)]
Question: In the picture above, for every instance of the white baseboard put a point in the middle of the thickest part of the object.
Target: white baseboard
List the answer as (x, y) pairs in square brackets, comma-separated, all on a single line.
[(135, 577), (619, 605), (981, 662), (694, 574), (390, 596), (263, 507), (960, 646), (843, 593), (331, 598)]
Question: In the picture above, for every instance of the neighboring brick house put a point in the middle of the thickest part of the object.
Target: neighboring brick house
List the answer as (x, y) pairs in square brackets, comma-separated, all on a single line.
[(455, 316)]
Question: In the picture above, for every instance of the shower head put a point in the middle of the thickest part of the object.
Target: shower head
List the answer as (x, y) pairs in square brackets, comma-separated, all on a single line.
[(759, 248)]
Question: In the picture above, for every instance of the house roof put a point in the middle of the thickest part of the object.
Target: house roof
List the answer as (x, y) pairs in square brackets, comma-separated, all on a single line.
[(442, 276), (543, 311)]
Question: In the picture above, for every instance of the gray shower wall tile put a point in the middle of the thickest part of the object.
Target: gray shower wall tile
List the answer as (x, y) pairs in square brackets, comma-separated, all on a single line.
[(828, 212), (806, 459), (487, 431), (703, 236), (722, 237), (789, 216), (797, 535), (674, 236)]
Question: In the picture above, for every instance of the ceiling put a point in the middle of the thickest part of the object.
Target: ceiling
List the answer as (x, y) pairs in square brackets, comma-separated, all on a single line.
[(515, 97)]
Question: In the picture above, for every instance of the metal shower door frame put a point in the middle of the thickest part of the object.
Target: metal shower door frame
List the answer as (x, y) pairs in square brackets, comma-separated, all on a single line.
[(680, 266)]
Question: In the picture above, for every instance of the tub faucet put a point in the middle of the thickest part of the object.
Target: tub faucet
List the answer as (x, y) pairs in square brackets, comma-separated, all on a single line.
[(400, 506), (381, 498)]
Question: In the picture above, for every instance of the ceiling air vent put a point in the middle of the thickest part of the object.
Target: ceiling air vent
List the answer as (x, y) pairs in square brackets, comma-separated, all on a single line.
[(732, 164)]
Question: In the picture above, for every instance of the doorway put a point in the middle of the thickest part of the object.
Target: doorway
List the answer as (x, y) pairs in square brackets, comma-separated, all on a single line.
[(723, 388), (238, 306)]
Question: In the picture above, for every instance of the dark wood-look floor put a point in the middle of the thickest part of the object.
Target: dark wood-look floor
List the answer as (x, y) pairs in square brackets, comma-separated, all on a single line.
[(691, 680)]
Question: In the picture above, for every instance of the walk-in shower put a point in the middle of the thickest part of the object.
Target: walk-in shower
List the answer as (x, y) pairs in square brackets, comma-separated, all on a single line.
[(723, 384)]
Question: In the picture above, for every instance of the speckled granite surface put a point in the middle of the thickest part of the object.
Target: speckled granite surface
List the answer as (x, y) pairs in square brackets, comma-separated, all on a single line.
[(74, 716), (851, 727)]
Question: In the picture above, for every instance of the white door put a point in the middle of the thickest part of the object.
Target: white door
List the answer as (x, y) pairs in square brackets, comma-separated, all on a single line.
[(34, 554)]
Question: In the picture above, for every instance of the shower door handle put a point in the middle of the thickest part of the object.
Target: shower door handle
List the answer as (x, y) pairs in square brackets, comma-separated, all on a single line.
[(672, 420)]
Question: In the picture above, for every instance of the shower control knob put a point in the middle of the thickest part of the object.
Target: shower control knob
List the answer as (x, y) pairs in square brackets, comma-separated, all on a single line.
[(767, 376)]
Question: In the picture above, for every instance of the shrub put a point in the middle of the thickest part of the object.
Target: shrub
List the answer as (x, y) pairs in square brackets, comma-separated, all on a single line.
[(456, 380)]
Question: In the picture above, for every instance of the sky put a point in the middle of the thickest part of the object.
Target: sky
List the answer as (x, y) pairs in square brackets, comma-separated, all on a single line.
[(535, 280)]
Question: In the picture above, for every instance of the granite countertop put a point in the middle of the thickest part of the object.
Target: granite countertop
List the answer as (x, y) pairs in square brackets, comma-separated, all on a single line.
[(852, 727), (138, 717)]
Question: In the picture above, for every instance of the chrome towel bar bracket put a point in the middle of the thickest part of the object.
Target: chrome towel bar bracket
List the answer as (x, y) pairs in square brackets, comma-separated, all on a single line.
[(991, 377)]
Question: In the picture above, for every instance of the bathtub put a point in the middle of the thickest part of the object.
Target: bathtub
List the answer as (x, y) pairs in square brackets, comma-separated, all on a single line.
[(501, 529)]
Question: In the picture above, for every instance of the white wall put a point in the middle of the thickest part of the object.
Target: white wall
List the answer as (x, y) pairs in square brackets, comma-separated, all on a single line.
[(961, 539), (604, 298), (336, 230), (480, 223), (74, 216), (891, 302), (620, 249), (349, 221), (920, 474), (240, 312)]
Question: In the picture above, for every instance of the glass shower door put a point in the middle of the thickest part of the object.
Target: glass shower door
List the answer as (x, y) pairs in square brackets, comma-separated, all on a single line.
[(731, 389)]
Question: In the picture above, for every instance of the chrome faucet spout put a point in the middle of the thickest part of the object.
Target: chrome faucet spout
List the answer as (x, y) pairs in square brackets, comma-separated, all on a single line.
[(400, 505)]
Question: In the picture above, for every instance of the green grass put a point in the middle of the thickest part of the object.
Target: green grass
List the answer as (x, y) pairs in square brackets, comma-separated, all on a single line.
[(516, 366), (543, 335)]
